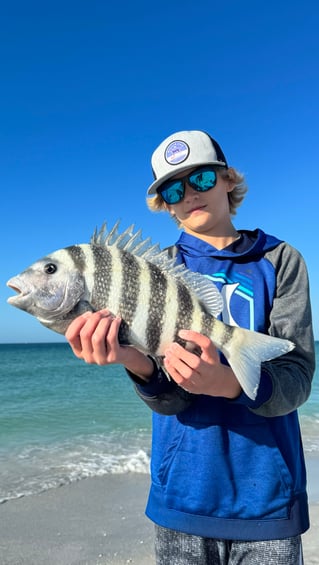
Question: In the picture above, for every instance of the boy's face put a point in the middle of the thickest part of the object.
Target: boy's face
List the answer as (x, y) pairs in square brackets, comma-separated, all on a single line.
[(204, 212)]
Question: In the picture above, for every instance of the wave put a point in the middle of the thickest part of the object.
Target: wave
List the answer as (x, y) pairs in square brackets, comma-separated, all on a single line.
[(35, 469)]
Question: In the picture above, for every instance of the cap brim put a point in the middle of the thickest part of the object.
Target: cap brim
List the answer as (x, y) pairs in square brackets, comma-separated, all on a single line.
[(152, 189)]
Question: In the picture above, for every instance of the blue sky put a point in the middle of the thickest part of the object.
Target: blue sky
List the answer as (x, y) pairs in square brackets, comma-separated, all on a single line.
[(90, 88)]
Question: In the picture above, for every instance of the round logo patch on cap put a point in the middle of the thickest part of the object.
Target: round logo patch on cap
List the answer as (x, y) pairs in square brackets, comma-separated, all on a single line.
[(176, 152)]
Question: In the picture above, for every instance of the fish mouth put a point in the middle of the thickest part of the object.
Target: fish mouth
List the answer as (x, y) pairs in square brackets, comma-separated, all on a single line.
[(21, 293)]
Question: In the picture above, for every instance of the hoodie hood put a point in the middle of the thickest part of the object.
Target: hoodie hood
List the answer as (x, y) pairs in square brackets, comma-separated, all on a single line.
[(250, 245)]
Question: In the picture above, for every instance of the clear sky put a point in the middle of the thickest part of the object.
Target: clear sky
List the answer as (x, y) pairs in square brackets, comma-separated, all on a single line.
[(90, 88)]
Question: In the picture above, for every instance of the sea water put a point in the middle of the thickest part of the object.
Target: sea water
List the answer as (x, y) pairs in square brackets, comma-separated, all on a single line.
[(62, 420)]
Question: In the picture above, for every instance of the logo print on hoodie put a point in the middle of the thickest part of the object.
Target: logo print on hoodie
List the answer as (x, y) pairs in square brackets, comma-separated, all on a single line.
[(236, 295)]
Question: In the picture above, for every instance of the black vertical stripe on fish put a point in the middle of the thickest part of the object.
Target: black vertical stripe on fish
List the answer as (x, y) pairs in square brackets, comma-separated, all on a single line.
[(212, 327), (226, 334), (102, 276), (78, 257), (185, 310), (131, 272), (157, 300), (207, 324), (124, 333)]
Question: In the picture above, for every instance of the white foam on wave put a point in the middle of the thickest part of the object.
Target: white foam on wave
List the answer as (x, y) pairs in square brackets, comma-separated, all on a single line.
[(309, 431), (38, 468), (34, 468)]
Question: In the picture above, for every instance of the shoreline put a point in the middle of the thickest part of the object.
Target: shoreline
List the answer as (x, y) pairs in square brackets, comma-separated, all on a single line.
[(101, 521), (94, 521)]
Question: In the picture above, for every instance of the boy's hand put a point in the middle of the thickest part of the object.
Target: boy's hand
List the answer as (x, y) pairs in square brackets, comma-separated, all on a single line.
[(203, 374), (93, 337)]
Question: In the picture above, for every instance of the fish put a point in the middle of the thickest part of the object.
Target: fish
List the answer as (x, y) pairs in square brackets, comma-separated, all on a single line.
[(154, 296)]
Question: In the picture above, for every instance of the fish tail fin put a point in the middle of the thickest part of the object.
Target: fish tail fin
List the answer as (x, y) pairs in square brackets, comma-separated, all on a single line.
[(247, 350)]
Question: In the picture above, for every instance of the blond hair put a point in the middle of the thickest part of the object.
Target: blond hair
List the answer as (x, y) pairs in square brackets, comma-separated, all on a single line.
[(235, 197)]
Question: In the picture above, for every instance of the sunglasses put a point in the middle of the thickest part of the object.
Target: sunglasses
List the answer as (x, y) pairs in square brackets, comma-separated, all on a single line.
[(201, 180)]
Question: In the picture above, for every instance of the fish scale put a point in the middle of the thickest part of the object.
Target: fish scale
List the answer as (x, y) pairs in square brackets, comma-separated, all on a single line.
[(100, 273), (138, 328), (169, 311), (185, 308), (77, 256), (158, 295), (136, 280)]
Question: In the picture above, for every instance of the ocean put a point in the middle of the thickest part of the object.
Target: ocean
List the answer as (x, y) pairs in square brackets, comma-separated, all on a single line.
[(62, 420)]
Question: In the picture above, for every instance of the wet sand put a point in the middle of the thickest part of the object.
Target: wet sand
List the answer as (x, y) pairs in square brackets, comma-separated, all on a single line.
[(100, 521)]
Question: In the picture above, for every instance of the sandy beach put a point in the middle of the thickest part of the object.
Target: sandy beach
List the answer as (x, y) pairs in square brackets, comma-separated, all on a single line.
[(100, 521), (95, 521)]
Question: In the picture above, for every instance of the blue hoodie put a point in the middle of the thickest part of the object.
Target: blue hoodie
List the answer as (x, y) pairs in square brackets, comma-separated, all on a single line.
[(234, 469)]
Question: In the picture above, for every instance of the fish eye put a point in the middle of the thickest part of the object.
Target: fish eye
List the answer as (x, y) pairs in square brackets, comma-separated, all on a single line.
[(50, 268)]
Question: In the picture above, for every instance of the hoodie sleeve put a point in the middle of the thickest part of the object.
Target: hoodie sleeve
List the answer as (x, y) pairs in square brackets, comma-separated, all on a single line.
[(286, 381), (161, 393)]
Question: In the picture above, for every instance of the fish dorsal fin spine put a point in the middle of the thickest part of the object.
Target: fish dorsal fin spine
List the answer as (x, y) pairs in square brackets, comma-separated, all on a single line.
[(205, 290)]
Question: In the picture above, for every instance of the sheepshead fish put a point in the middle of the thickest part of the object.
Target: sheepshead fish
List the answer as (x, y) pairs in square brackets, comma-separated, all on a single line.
[(155, 299)]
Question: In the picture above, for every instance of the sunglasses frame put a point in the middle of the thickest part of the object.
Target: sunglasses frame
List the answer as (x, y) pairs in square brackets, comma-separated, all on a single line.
[(183, 180)]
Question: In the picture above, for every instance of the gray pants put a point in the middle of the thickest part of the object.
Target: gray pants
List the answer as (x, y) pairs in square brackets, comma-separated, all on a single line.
[(177, 548)]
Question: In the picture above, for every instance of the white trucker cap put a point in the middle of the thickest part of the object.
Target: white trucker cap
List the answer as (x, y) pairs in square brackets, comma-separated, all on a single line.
[(181, 151)]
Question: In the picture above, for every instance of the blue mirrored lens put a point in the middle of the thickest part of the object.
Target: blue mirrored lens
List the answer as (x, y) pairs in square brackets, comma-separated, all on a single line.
[(204, 178), (173, 192)]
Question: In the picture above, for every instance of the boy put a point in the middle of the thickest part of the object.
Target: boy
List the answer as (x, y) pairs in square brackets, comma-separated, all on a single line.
[(228, 473)]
